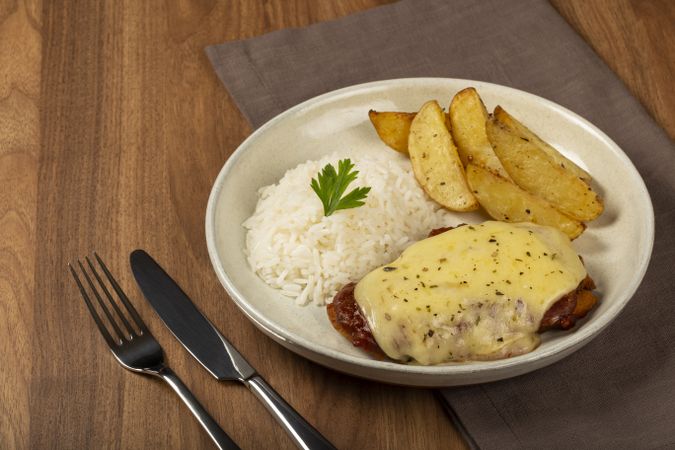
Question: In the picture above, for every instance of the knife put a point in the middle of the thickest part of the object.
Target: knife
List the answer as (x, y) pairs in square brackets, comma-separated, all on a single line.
[(212, 350)]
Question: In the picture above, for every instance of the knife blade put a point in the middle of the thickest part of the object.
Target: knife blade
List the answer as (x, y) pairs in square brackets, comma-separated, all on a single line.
[(215, 353)]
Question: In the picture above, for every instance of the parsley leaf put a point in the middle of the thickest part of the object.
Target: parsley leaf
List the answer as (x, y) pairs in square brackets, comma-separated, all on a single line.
[(329, 186)]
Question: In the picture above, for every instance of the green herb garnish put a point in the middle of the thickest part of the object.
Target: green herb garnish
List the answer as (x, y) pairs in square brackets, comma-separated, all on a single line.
[(330, 185)]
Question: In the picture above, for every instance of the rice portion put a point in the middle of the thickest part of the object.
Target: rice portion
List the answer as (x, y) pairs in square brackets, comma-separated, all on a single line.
[(294, 248)]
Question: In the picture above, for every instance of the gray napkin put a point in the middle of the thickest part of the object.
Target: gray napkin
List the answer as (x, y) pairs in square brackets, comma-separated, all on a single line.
[(618, 391)]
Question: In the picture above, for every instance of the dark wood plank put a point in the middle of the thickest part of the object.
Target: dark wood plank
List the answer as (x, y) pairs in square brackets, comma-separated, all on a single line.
[(19, 158)]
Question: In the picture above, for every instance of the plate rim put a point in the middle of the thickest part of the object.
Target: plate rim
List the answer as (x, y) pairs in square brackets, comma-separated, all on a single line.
[(581, 337)]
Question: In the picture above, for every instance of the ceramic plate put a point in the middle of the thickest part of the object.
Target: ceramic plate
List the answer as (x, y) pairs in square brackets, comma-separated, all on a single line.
[(616, 247)]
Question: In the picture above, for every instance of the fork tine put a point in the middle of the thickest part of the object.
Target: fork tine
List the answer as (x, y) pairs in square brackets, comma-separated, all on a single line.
[(110, 299), (109, 340), (122, 296), (105, 309)]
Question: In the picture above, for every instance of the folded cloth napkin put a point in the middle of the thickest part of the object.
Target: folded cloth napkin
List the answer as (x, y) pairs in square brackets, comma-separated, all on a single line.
[(619, 390)]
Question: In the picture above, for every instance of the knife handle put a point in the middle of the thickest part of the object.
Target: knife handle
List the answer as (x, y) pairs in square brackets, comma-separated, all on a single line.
[(304, 435), (219, 437)]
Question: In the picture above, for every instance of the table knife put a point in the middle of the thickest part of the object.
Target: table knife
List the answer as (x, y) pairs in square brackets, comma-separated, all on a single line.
[(212, 350)]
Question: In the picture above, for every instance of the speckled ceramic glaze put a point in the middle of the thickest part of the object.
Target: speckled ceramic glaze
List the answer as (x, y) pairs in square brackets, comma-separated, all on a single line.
[(616, 247)]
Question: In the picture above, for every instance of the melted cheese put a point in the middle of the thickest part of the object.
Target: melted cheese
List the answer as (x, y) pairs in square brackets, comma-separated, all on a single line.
[(476, 292)]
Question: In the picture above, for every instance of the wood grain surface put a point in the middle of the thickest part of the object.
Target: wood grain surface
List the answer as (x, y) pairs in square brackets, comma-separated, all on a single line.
[(112, 129)]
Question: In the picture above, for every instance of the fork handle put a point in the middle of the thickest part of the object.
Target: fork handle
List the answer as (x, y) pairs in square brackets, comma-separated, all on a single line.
[(304, 435), (219, 437)]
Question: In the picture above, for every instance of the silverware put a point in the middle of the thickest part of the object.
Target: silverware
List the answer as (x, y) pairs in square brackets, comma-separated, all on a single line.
[(212, 350), (136, 349)]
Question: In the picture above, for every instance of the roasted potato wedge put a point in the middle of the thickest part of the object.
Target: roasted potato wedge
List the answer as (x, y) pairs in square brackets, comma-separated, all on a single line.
[(468, 116), (504, 200), (507, 119), (535, 171), (435, 161), (393, 128)]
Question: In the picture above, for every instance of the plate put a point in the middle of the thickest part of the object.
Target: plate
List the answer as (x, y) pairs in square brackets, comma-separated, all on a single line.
[(616, 247)]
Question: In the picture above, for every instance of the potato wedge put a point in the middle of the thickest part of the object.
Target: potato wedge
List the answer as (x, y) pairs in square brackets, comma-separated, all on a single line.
[(533, 170), (504, 200), (507, 119), (467, 117), (435, 161), (393, 128)]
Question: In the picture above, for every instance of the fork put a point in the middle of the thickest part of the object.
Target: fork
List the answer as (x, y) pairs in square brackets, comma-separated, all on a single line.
[(135, 348)]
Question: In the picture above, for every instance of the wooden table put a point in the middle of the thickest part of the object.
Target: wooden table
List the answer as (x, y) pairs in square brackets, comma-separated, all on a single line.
[(112, 129)]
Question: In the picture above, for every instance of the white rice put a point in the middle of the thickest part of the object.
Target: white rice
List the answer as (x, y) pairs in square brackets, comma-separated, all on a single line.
[(294, 248)]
